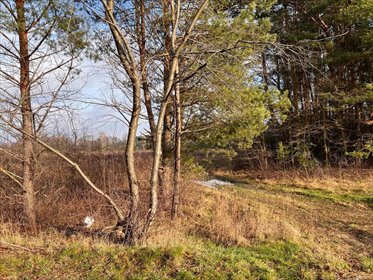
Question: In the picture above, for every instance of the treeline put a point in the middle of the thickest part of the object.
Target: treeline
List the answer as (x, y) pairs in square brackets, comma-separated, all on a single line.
[(321, 61), (330, 119)]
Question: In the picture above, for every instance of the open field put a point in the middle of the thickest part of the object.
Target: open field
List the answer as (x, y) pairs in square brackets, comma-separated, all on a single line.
[(275, 227)]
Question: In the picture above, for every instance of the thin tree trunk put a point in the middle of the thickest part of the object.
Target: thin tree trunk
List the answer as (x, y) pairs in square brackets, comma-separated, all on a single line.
[(148, 105), (167, 120), (166, 151), (127, 59), (27, 120), (325, 134), (177, 153), (141, 38), (359, 134), (264, 159), (132, 223)]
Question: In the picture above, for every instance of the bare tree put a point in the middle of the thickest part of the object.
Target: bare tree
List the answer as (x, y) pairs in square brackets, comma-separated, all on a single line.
[(130, 52)]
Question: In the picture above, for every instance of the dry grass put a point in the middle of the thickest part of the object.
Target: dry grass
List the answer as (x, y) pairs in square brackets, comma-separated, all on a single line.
[(332, 210), (331, 179), (63, 198), (227, 217), (241, 215), (352, 179), (318, 210)]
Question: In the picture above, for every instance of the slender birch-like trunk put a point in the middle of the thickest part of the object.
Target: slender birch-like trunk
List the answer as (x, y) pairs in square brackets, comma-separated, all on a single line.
[(177, 152)]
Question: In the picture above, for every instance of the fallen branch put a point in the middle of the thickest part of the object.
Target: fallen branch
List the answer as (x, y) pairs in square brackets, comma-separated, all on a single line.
[(13, 246)]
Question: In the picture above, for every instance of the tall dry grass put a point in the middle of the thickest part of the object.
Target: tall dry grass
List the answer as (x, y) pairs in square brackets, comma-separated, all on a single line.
[(63, 200), (327, 178), (223, 216)]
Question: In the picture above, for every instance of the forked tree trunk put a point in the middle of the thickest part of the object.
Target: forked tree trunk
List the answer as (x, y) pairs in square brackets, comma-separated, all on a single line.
[(130, 65), (27, 119), (154, 183)]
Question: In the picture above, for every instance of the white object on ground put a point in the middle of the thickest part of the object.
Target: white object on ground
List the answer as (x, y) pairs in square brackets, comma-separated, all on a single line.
[(88, 221), (214, 183)]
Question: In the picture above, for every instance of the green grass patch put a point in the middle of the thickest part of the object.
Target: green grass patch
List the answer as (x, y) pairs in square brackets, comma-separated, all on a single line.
[(322, 194), (343, 198), (204, 260), (367, 264)]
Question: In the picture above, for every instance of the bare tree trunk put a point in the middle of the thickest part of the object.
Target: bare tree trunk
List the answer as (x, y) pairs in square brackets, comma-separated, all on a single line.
[(27, 120), (127, 59), (141, 40), (167, 120), (165, 102), (166, 151), (148, 105), (325, 134), (132, 223), (177, 153), (263, 147), (359, 134)]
